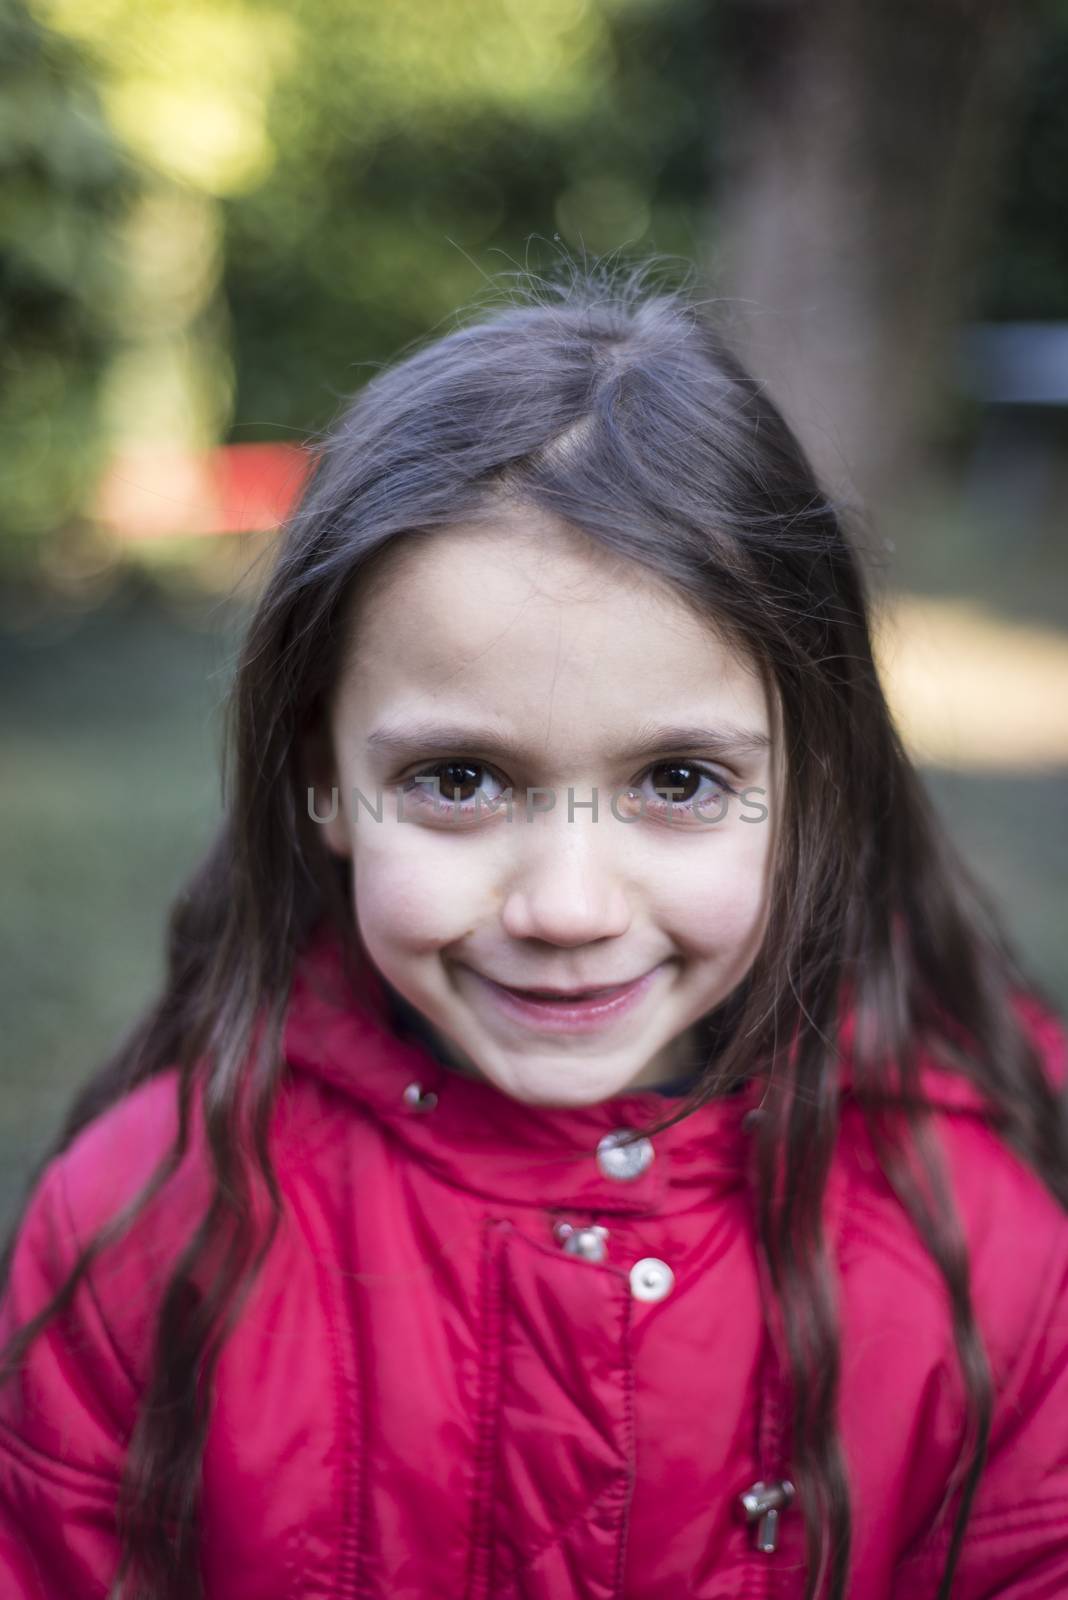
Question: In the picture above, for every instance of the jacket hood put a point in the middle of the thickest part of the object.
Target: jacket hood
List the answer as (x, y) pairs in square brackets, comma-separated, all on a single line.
[(339, 1031)]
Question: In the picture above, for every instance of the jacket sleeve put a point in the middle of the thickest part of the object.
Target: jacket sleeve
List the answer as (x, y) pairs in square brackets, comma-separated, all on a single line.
[(1016, 1541), (64, 1416)]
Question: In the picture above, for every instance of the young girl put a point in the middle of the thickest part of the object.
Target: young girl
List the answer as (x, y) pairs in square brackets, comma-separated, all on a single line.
[(594, 1139)]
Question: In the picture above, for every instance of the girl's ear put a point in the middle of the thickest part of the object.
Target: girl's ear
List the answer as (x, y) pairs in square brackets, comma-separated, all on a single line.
[(322, 790)]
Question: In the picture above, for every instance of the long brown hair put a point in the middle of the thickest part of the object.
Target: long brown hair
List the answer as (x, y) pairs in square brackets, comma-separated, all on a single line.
[(617, 406)]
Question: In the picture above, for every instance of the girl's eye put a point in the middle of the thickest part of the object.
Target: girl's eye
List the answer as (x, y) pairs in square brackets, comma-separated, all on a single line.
[(458, 780), (453, 789), (685, 789), (461, 789)]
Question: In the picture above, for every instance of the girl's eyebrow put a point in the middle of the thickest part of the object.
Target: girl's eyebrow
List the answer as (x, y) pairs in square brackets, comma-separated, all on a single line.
[(414, 738)]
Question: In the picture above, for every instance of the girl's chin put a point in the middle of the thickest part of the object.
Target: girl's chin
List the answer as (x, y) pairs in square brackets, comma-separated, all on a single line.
[(555, 1098), (578, 1083)]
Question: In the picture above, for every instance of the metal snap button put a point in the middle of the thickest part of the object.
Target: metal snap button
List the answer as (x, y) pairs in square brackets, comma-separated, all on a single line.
[(589, 1243), (415, 1097), (764, 1503), (651, 1279), (623, 1162)]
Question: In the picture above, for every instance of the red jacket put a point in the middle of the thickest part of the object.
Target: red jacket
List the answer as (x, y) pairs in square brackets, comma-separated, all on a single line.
[(484, 1361)]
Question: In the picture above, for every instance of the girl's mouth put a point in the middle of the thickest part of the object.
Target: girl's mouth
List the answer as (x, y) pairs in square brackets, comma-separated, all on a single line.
[(577, 1012)]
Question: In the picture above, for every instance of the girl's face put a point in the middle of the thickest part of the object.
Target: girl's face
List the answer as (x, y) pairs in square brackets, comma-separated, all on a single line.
[(519, 657)]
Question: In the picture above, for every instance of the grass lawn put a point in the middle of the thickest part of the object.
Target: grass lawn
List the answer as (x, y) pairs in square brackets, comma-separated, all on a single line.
[(110, 791)]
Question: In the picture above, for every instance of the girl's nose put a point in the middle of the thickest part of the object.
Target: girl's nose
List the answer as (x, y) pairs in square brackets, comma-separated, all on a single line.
[(565, 894)]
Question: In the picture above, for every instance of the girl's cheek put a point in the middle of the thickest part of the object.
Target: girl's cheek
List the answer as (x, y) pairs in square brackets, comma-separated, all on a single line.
[(716, 922), (713, 903), (409, 896)]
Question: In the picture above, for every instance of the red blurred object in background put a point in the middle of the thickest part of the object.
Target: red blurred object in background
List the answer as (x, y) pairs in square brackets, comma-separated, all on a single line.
[(258, 484), (152, 493)]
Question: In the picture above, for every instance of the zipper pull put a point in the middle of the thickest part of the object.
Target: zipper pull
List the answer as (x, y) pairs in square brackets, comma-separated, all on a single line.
[(762, 1503)]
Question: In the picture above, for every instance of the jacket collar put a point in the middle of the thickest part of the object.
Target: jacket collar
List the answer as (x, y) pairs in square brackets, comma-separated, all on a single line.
[(338, 1029)]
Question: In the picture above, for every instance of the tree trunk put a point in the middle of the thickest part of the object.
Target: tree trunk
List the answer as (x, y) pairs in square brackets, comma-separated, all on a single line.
[(862, 155)]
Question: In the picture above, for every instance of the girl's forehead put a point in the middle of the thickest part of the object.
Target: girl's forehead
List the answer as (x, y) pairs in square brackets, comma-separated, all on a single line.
[(530, 625), (510, 548), (527, 581)]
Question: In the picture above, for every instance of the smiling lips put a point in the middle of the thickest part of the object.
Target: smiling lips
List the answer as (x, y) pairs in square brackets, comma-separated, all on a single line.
[(566, 994), (568, 1011)]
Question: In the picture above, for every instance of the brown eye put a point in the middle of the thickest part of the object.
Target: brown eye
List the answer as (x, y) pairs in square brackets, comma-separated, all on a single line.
[(459, 780), (676, 781)]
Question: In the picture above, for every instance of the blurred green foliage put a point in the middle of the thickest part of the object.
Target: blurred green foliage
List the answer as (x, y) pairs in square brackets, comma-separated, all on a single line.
[(303, 189), (64, 182), (419, 148)]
